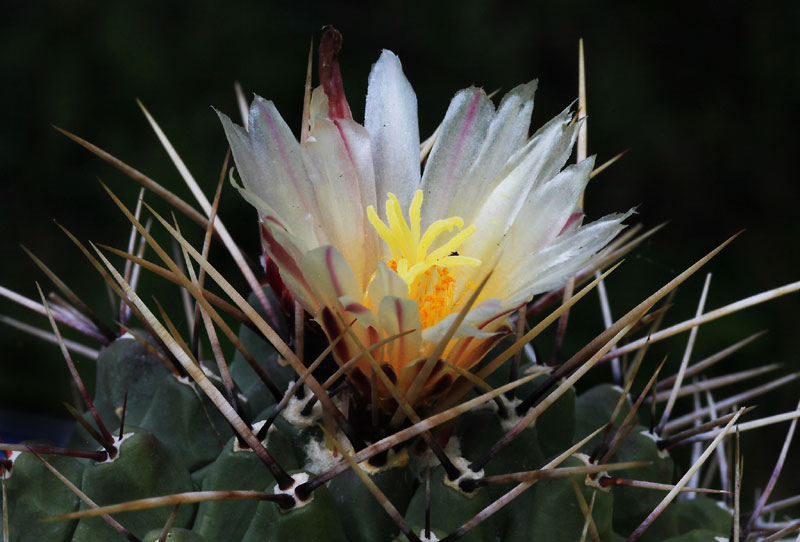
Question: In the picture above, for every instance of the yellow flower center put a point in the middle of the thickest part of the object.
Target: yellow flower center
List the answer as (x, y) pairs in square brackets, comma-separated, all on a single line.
[(427, 275)]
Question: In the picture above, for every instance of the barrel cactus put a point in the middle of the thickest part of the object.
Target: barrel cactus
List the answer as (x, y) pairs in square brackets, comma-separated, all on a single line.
[(386, 381)]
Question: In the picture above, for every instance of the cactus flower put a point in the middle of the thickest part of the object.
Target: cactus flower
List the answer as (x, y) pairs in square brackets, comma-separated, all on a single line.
[(361, 232)]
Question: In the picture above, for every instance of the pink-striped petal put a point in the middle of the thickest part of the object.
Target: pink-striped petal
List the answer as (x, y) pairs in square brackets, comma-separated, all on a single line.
[(283, 249), (365, 316), (544, 214), (358, 143), (385, 283), (460, 139), (342, 178), (551, 267), (543, 158), (331, 275), (398, 315), (269, 162), (507, 133)]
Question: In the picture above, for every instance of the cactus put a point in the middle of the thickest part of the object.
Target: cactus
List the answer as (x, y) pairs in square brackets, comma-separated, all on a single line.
[(384, 383)]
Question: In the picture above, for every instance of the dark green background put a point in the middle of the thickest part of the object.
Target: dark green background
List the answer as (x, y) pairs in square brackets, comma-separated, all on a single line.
[(704, 94)]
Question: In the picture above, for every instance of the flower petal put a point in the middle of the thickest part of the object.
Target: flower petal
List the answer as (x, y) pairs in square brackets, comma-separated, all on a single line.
[(342, 177), (566, 255), (284, 249), (544, 214), (268, 159), (460, 139), (331, 76), (485, 311), (398, 315), (390, 117), (544, 155), (318, 109), (358, 144), (507, 132), (329, 272), (366, 317), (542, 143), (385, 283)]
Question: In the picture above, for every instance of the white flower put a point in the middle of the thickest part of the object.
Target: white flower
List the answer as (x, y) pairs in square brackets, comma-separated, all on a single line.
[(356, 229)]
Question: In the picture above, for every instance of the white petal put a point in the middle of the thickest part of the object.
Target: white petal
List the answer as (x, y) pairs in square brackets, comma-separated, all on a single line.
[(330, 275), (397, 315), (262, 207), (507, 132), (358, 143), (545, 212), (545, 154), (268, 159), (390, 117), (385, 283), (555, 153), (334, 170), (485, 311), (460, 139), (318, 109), (366, 317), (287, 253), (566, 255)]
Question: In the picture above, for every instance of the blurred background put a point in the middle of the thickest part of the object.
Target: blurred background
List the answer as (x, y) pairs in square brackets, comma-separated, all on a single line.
[(703, 94)]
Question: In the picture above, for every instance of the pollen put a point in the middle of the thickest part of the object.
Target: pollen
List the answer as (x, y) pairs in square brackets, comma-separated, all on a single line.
[(427, 274)]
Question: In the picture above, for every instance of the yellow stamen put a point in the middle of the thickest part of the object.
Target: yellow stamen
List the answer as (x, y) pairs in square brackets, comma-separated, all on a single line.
[(401, 234), (409, 251), (426, 274), (382, 230), (434, 231), (414, 214), (452, 245)]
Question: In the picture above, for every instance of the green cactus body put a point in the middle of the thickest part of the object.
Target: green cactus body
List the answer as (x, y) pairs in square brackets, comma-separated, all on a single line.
[(355, 502), (143, 468), (451, 508), (37, 494), (632, 504), (250, 385), (316, 520), (262, 524), (593, 409), (191, 426), (556, 425), (555, 514), (175, 535), (237, 468), (182, 434), (158, 461), (702, 513), (126, 366), (523, 453)]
